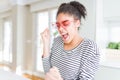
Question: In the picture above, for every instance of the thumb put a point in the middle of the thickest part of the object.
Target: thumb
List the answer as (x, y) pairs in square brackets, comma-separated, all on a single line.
[(55, 68)]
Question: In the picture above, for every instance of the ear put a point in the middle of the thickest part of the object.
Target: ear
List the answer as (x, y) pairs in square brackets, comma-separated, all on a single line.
[(77, 23)]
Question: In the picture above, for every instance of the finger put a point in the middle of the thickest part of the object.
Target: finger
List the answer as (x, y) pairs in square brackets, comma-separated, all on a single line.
[(52, 70), (41, 33), (47, 31), (53, 75), (55, 68), (57, 72), (50, 76)]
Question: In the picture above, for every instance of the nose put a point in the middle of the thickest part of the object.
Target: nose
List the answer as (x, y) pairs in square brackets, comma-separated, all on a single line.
[(60, 28)]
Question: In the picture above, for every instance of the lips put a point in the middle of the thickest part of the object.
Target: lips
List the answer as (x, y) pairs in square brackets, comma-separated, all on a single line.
[(65, 36)]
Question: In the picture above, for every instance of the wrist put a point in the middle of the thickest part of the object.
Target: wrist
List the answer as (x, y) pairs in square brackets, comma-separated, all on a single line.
[(45, 55)]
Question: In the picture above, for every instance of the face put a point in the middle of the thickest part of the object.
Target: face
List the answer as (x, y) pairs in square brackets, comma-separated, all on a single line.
[(67, 27)]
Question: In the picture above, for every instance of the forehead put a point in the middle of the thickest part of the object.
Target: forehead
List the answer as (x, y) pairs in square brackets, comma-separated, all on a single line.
[(63, 17)]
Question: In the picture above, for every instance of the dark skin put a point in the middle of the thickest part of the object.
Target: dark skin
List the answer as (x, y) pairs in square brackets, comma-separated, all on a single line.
[(70, 36)]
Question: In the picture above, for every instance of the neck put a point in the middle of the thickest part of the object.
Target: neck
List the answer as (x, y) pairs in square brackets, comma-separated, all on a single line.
[(75, 42)]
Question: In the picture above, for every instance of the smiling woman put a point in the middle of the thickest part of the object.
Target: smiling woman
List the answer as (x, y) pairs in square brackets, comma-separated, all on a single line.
[(72, 57)]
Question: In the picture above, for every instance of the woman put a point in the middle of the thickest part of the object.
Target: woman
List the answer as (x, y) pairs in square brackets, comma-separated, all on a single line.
[(72, 57)]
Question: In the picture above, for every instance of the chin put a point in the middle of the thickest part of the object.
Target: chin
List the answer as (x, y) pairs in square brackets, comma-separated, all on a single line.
[(67, 42)]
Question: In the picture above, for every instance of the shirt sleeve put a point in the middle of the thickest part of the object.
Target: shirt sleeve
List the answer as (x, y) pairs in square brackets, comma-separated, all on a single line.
[(46, 61), (46, 64), (89, 62)]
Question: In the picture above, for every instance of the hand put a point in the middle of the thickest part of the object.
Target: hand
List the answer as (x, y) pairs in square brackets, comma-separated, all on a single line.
[(53, 74), (46, 36), (46, 42)]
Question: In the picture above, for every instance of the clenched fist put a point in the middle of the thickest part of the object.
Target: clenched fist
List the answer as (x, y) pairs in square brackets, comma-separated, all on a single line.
[(46, 42), (53, 74)]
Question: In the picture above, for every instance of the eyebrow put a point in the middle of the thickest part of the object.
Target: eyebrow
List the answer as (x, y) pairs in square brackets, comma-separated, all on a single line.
[(62, 21)]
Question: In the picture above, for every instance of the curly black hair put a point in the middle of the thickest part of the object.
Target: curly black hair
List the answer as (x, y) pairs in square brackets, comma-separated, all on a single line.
[(73, 8)]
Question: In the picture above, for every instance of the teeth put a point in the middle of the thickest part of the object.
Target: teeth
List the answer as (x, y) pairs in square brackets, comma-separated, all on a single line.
[(65, 36)]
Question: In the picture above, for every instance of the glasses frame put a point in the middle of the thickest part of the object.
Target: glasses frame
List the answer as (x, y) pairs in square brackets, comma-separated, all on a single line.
[(64, 24)]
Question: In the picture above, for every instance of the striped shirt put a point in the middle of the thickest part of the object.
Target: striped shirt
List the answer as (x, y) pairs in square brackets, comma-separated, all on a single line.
[(79, 63)]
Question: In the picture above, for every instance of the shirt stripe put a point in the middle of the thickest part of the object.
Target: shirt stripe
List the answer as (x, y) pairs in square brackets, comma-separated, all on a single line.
[(79, 63)]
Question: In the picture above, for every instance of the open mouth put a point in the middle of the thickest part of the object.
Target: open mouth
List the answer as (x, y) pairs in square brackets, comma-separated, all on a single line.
[(65, 36)]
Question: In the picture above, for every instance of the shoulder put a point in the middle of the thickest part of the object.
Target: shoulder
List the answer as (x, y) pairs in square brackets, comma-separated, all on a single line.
[(90, 46), (89, 43)]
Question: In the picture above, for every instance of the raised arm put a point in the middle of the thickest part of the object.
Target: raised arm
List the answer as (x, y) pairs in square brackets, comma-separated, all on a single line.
[(46, 49)]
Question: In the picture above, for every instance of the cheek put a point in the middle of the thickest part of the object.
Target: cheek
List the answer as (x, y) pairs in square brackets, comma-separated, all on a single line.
[(71, 32)]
